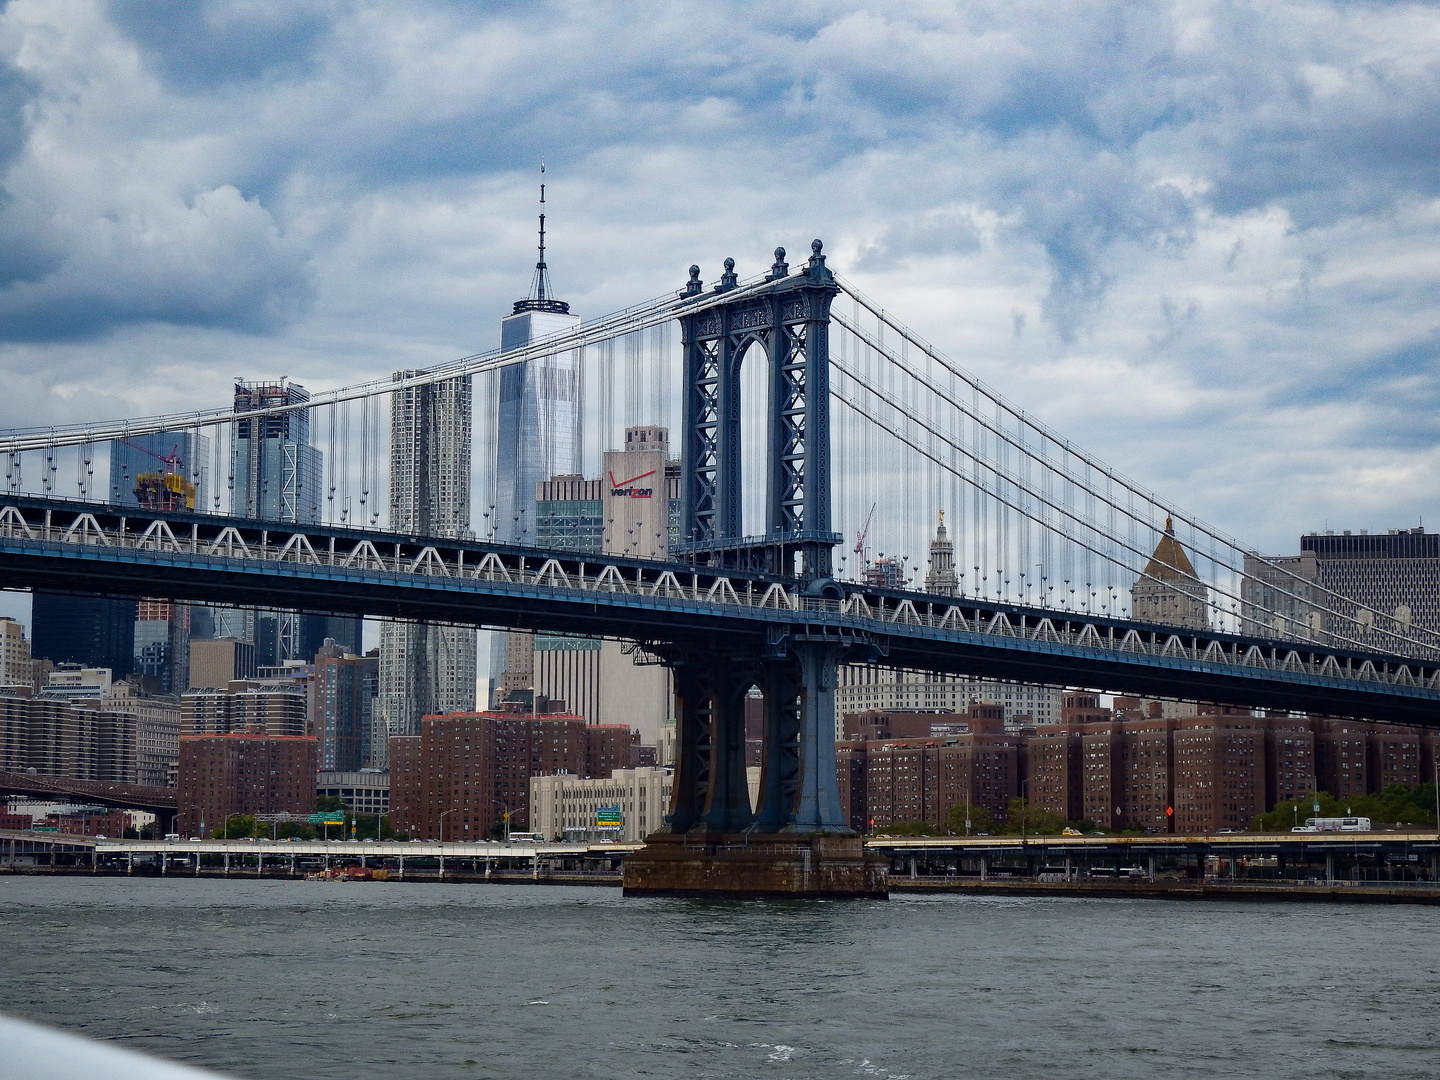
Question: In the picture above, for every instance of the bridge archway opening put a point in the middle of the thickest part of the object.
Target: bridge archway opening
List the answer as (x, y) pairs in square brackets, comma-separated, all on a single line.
[(754, 378)]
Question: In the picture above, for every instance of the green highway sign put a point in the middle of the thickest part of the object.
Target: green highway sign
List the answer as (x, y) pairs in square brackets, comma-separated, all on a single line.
[(328, 817), (607, 815)]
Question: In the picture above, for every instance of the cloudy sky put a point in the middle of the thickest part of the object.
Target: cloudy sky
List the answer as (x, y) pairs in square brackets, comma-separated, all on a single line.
[(1202, 239)]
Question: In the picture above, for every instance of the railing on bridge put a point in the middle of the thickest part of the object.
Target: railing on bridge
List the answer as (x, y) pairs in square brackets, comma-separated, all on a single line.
[(200, 540)]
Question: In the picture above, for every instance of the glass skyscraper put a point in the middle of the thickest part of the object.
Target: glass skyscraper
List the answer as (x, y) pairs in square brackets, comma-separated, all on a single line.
[(275, 473)]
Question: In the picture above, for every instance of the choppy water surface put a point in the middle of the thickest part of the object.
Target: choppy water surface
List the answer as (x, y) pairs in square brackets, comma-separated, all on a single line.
[(313, 979)]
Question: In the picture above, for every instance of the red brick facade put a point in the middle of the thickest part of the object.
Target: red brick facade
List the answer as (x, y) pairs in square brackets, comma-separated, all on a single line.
[(1194, 774), (885, 783), (220, 775), (464, 770)]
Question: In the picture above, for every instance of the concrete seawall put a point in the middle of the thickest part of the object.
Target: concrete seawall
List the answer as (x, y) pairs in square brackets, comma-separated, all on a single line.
[(1328, 892), (899, 884)]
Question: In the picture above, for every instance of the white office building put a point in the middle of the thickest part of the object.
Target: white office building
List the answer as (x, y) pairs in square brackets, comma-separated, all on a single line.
[(568, 807), (860, 688)]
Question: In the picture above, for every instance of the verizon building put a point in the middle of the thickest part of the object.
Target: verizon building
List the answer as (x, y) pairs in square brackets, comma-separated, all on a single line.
[(632, 509), (1389, 581)]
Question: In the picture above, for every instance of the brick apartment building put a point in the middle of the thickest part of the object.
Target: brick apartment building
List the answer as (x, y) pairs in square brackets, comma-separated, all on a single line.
[(1219, 773), (123, 737), (1342, 757), (1127, 769), (1289, 760), (464, 770), (1147, 775), (1055, 760), (610, 747), (241, 773), (272, 707), (1395, 757), (915, 766)]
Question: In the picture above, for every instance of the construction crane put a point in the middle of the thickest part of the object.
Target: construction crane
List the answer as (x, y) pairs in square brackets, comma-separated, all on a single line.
[(171, 460), (860, 539), (163, 491)]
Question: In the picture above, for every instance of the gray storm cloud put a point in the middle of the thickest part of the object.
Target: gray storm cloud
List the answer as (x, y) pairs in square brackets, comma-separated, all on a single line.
[(1212, 222)]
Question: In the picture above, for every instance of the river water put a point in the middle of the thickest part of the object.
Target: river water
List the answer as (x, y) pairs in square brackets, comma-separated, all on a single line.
[(315, 979)]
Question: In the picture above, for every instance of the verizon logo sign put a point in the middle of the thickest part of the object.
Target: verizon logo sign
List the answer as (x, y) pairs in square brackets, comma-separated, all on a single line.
[(626, 489)]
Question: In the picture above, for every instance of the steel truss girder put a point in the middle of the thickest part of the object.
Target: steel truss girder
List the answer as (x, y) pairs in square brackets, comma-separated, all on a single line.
[(65, 546)]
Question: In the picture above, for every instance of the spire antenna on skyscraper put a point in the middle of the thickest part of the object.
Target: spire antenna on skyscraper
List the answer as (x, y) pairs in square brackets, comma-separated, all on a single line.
[(541, 294)]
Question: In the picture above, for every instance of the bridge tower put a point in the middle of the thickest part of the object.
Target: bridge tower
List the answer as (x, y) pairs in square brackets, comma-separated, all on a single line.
[(797, 841), (785, 324)]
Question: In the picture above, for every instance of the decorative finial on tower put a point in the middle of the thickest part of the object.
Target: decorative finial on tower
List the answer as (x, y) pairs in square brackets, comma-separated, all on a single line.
[(728, 279), (781, 267), (1169, 525), (817, 271), (694, 285), (942, 512)]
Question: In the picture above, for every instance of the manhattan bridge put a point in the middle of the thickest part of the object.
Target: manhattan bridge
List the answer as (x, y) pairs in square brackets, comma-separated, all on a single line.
[(807, 415)]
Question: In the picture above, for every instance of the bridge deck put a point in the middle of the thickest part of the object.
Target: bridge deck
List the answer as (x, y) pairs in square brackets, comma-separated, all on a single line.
[(64, 546)]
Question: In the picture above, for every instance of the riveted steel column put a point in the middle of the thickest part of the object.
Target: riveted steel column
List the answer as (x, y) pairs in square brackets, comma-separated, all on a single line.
[(778, 442), (780, 766), (818, 801), (727, 436), (727, 802), (693, 712), (696, 496), (818, 555)]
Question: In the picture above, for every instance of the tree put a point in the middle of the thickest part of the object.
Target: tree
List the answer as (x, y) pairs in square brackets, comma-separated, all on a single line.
[(365, 826), (1394, 805), (979, 817), (238, 825), (1023, 818)]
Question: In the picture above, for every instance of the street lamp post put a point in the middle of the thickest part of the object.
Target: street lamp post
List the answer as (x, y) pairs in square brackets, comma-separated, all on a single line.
[(442, 822), (1024, 809), (504, 817), (1025, 821)]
